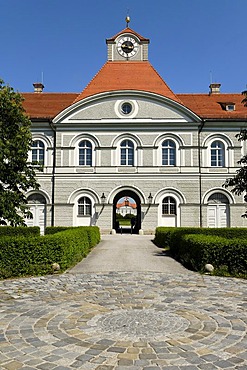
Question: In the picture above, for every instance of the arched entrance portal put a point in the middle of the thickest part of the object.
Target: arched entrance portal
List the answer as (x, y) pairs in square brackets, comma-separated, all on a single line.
[(137, 225), (37, 205)]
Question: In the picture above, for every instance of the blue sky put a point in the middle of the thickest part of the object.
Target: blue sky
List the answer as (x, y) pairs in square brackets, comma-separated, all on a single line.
[(192, 42)]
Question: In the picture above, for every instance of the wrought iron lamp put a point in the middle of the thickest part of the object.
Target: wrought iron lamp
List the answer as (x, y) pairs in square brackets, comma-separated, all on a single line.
[(150, 198), (103, 198)]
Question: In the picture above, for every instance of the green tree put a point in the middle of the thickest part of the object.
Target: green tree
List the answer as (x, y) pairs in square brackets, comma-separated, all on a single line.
[(239, 181), (244, 101), (17, 176)]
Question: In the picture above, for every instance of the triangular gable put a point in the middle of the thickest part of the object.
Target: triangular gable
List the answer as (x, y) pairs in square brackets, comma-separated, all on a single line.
[(128, 30)]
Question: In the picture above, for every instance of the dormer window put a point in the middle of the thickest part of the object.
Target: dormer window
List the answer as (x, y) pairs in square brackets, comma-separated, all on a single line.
[(230, 107)]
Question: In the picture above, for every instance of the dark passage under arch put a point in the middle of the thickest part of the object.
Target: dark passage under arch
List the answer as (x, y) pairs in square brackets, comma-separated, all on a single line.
[(133, 195)]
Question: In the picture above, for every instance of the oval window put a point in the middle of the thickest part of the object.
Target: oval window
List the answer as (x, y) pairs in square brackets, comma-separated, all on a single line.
[(126, 108)]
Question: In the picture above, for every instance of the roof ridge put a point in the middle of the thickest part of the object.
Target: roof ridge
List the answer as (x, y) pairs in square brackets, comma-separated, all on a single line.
[(50, 93), (164, 82), (128, 30), (96, 74)]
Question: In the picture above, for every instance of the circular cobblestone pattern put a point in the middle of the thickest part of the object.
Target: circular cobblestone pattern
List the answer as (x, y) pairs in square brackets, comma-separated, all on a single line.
[(123, 321), (148, 324)]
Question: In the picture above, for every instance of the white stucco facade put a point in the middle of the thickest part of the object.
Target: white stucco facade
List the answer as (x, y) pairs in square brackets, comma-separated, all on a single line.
[(165, 156)]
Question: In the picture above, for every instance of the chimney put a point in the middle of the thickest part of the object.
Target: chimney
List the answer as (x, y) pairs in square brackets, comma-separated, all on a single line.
[(214, 88), (38, 87)]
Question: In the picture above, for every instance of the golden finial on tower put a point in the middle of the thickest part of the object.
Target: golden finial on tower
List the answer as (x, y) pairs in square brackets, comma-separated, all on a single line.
[(127, 19)]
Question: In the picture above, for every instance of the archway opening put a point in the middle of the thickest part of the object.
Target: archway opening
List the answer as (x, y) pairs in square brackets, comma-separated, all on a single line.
[(37, 206), (218, 210), (127, 212)]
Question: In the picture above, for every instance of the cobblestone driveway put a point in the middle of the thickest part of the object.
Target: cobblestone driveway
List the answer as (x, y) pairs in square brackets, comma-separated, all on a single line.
[(123, 321)]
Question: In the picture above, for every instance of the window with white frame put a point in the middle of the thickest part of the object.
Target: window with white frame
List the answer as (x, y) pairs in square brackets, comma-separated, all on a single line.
[(127, 153), (85, 153), (169, 206), (84, 206), (217, 154), (168, 153), (38, 152)]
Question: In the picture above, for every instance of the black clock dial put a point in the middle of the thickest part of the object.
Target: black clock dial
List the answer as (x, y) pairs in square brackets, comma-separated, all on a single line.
[(127, 47)]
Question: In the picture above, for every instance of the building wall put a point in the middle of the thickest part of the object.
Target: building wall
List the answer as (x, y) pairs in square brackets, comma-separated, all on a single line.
[(148, 175)]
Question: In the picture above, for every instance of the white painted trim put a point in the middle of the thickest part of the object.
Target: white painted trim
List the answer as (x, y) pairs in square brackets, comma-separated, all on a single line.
[(212, 191), (48, 155), (115, 191), (63, 117), (206, 155)]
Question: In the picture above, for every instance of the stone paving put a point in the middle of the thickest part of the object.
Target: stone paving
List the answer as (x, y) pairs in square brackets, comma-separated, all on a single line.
[(123, 321)]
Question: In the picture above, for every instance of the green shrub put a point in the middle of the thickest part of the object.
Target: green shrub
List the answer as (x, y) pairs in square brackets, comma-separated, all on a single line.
[(93, 235), (163, 236), (49, 230), (225, 249), (129, 216), (119, 216), (20, 256), (222, 253), (19, 230)]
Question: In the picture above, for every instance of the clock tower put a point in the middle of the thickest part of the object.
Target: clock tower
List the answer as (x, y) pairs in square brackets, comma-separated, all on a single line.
[(127, 45)]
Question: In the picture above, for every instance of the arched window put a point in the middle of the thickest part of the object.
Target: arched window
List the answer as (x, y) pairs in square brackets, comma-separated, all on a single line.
[(169, 206), (168, 153), (85, 153), (84, 207), (218, 198), (217, 154), (36, 199), (127, 153), (38, 152)]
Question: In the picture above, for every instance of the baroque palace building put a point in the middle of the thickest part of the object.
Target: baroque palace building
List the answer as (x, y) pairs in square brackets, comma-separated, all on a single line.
[(127, 134)]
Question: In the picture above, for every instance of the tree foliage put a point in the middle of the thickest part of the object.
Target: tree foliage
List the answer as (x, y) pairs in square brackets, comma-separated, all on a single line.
[(244, 101), (239, 181), (17, 176)]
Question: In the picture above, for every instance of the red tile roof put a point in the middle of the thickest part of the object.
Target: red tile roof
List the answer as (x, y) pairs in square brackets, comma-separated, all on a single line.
[(132, 75), (126, 203), (128, 30), (46, 105), (212, 106), (127, 75)]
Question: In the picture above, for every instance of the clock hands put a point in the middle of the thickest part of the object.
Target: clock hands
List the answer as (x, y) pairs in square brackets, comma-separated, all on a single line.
[(127, 48), (131, 47)]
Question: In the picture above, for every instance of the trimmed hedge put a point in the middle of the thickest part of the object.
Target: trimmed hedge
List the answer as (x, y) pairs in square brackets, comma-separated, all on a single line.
[(92, 231), (18, 231), (228, 254), (93, 235), (225, 248), (50, 230), (22, 256)]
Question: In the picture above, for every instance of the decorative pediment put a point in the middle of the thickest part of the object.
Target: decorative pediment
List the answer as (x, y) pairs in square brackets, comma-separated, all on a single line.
[(127, 106)]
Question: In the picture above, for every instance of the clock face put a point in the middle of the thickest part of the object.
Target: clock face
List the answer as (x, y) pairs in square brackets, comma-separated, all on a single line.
[(127, 46)]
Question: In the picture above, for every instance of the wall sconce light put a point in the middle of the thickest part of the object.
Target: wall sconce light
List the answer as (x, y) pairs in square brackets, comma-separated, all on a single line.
[(103, 198), (150, 198)]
